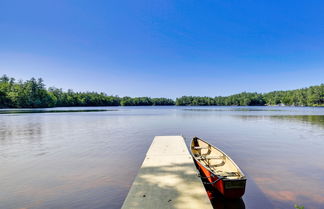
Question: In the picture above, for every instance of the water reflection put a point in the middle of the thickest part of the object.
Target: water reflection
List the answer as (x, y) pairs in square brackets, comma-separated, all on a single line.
[(311, 119), (217, 199), (15, 128), (307, 119), (48, 110), (219, 202)]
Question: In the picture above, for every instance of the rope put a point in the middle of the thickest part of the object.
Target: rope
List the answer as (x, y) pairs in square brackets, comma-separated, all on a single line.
[(214, 181)]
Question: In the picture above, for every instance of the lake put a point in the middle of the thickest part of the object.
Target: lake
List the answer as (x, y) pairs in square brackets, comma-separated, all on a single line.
[(53, 158)]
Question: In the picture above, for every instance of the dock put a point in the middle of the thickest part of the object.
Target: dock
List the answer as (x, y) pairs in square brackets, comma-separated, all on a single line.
[(167, 179)]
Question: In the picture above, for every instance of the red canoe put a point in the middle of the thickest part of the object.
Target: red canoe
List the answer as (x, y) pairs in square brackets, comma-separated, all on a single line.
[(218, 168)]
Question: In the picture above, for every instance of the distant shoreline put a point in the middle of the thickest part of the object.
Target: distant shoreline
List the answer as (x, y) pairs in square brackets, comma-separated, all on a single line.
[(33, 94), (103, 110)]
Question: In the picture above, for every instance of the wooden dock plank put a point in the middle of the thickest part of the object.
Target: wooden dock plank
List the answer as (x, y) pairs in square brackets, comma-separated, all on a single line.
[(167, 178), (168, 145)]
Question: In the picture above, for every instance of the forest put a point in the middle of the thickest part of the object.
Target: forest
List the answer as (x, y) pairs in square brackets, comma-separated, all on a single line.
[(311, 96), (33, 94)]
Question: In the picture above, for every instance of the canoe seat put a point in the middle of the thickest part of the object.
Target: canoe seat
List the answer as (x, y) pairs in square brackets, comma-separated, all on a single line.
[(210, 158), (201, 147), (226, 174)]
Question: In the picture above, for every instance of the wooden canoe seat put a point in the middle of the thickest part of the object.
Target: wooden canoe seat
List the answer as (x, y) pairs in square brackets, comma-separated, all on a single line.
[(226, 174), (205, 147), (210, 158)]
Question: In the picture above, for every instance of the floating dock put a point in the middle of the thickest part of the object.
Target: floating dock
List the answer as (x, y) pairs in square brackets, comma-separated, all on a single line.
[(167, 179)]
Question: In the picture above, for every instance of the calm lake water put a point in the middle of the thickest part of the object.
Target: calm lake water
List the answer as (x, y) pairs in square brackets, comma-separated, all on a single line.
[(89, 159)]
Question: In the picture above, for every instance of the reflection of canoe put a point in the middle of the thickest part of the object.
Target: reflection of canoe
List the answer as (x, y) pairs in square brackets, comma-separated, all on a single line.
[(218, 168)]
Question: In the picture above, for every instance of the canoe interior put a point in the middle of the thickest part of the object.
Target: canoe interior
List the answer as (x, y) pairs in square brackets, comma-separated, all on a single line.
[(215, 160)]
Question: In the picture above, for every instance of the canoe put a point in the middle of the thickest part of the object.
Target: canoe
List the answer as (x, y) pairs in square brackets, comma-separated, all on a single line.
[(218, 169)]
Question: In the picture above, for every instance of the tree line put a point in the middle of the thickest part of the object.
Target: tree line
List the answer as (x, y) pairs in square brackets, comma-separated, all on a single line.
[(311, 96), (33, 94)]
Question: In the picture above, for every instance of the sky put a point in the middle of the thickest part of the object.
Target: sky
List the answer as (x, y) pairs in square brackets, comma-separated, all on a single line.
[(164, 48)]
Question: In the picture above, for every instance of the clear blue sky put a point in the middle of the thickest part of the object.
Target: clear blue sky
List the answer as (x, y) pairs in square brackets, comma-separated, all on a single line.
[(164, 48)]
